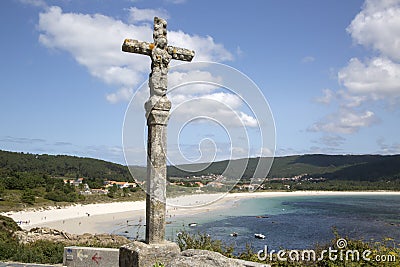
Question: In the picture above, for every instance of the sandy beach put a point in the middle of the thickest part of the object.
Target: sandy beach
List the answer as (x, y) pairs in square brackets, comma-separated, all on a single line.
[(91, 218)]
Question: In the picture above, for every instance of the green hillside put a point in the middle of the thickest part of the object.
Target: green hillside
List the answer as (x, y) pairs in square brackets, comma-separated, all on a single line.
[(338, 167), (37, 180), (62, 166)]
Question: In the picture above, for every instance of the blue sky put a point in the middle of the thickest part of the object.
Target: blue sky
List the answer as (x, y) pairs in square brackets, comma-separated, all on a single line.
[(330, 70)]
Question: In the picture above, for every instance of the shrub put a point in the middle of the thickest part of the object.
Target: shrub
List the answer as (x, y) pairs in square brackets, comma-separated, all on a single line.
[(28, 197), (387, 248), (203, 241)]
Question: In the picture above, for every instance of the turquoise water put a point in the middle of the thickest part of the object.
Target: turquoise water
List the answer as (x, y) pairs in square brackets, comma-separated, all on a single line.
[(295, 222)]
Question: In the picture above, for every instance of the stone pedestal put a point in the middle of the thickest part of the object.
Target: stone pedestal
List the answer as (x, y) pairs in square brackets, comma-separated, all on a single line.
[(157, 110), (139, 254), (89, 257)]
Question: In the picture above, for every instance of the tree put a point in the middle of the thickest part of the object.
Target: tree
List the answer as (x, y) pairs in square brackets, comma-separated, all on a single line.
[(28, 197), (2, 187), (112, 191), (126, 191)]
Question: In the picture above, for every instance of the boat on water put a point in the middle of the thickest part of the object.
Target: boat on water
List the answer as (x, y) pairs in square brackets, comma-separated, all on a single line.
[(233, 234), (192, 224), (259, 236)]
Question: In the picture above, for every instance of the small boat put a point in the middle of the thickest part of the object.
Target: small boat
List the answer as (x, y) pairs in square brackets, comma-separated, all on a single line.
[(259, 236), (234, 234), (192, 224), (261, 216)]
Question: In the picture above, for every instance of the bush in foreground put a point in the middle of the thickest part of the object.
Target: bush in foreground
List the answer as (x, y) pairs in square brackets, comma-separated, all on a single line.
[(385, 253)]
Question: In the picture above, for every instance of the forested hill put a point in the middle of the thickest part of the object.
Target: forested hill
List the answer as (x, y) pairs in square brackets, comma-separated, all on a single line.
[(341, 167), (62, 166)]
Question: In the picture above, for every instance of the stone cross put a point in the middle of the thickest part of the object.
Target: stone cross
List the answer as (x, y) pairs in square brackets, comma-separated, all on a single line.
[(157, 114)]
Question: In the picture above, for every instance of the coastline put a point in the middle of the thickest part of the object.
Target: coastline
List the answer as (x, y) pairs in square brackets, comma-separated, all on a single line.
[(91, 218)]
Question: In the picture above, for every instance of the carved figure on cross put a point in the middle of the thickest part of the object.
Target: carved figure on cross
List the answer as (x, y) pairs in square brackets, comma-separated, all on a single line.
[(160, 53)]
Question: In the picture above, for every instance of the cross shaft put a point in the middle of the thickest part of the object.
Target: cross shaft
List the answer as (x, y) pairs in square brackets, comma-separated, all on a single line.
[(157, 113)]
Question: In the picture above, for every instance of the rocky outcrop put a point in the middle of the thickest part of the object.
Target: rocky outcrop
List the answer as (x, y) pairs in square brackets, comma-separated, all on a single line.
[(139, 254), (205, 258), (54, 235)]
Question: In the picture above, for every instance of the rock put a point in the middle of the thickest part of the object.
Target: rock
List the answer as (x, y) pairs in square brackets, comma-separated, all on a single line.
[(203, 258), (140, 254), (54, 235)]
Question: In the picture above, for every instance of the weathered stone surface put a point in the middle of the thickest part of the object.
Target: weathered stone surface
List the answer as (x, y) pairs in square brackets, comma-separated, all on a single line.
[(205, 258), (49, 234), (139, 254), (144, 48), (156, 180), (161, 103), (157, 114), (89, 256), (202, 258)]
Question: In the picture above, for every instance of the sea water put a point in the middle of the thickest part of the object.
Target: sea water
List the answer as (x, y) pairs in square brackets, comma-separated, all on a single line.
[(294, 222)]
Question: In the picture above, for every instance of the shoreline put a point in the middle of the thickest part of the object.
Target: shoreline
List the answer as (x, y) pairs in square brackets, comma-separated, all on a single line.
[(90, 218)]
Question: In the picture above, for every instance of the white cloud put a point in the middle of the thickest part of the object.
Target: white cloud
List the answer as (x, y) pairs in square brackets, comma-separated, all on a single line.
[(308, 59), (287, 151), (208, 99), (36, 3), (219, 106), (378, 26), (123, 94), (312, 150), (205, 47), (350, 101), (230, 100), (345, 99), (385, 148), (326, 98), (175, 1), (94, 41), (239, 152), (195, 81), (21, 140), (345, 121), (110, 153), (248, 120), (136, 14), (377, 78), (331, 140), (265, 152), (239, 51)]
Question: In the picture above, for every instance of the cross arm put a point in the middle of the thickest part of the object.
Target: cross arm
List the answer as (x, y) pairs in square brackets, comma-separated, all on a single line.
[(145, 48), (137, 47), (180, 53)]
